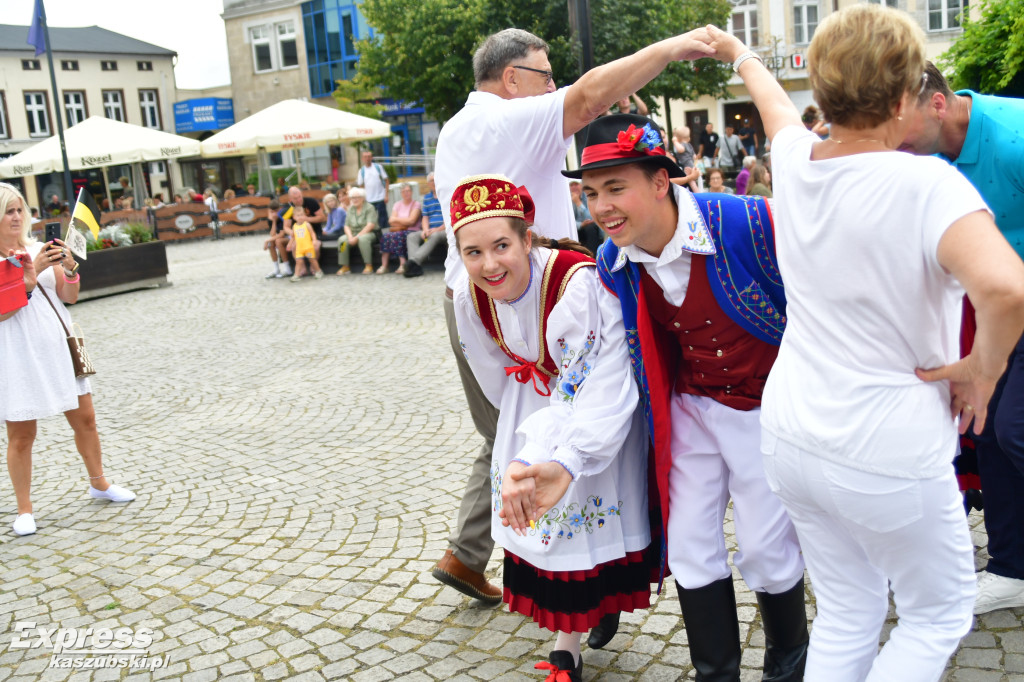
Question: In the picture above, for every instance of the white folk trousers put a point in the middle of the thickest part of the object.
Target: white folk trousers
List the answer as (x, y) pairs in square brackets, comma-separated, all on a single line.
[(862, 533), (715, 456)]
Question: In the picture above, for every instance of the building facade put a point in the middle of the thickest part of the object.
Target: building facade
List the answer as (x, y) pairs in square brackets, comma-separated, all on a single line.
[(781, 31), (295, 49), (98, 73)]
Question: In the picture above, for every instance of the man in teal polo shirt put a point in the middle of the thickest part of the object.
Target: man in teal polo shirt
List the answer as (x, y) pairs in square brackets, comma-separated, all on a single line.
[(983, 136)]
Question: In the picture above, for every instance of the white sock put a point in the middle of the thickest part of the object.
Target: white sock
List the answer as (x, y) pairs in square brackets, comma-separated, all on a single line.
[(569, 641), (276, 267)]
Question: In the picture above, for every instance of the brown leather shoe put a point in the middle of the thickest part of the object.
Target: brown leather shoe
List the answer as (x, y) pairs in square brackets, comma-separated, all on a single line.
[(454, 573)]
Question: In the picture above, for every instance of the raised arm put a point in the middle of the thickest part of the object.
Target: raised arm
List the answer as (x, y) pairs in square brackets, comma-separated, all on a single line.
[(603, 86), (776, 109)]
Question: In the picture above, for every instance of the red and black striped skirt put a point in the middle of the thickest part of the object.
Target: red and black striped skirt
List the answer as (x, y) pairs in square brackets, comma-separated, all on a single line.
[(574, 601)]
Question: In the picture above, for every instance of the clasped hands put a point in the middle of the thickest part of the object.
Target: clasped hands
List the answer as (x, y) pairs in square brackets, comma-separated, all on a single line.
[(528, 492)]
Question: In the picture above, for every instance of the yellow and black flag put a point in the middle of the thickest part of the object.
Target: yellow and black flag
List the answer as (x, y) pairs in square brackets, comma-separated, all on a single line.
[(87, 213)]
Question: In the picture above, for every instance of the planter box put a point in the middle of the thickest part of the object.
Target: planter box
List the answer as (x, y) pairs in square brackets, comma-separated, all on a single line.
[(123, 268)]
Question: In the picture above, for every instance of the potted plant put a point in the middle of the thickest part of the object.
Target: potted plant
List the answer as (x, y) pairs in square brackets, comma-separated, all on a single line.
[(122, 258)]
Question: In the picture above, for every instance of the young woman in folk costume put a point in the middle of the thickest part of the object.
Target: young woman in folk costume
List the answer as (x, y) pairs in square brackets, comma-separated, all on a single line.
[(547, 344)]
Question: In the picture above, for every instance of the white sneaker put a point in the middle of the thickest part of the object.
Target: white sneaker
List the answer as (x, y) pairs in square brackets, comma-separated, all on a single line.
[(272, 274), (998, 592), (24, 525), (287, 271), (114, 493)]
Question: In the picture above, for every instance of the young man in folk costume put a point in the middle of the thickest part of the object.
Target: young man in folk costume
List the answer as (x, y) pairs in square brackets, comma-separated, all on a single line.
[(703, 307), (568, 476)]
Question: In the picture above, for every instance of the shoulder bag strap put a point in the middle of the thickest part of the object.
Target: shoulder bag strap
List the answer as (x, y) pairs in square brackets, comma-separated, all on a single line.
[(60, 319)]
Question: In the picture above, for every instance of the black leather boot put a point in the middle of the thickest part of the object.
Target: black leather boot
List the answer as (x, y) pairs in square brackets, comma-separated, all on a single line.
[(785, 634), (603, 632), (713, 630)]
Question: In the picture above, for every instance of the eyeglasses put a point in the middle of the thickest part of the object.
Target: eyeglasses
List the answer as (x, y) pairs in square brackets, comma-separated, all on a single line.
[(548, 76)]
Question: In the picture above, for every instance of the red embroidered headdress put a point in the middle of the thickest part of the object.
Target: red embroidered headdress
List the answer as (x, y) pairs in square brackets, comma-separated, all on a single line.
[(488, 196)]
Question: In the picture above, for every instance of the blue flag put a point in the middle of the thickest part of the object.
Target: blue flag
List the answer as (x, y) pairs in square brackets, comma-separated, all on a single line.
[(35, 31)]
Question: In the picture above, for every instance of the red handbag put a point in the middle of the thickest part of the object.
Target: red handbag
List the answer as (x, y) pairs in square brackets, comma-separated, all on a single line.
[(12, 285)]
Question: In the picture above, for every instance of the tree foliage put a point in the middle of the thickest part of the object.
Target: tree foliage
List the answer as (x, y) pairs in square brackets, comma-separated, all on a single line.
[(989, 57), (355, 97), (423, 49), (621, 27)]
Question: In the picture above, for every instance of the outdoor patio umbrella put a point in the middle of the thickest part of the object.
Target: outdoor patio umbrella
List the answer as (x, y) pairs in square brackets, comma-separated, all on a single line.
[(289, 125), (97, 142)]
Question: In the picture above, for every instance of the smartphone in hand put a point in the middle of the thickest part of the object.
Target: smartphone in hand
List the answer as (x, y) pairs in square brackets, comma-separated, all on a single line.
[(52, 232)]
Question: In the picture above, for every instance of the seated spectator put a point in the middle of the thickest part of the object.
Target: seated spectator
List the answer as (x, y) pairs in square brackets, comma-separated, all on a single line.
[(716, 182), (126, 190), (360, 230), (251, 189), (127, 203), (405, 218), (229, 194), (158, 201), (105, 205), (55, 206), (760, 182), (277, 243), (335, 225), (189, 194), (177, 199), (35, 215), (744, 176), (431, 233)]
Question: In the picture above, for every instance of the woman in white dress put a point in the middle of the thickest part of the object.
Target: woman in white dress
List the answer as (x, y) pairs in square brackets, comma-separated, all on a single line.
[(569, 482), (37, 378)]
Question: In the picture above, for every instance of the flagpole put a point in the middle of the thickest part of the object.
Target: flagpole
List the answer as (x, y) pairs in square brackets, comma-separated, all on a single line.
[(68, 191)]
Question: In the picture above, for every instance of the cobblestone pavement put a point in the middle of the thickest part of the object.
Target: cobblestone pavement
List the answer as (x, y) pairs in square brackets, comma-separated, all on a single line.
[(299, 451)]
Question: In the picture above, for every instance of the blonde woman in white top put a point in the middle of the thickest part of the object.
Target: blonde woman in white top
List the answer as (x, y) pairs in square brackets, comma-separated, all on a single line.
[(876, 248)]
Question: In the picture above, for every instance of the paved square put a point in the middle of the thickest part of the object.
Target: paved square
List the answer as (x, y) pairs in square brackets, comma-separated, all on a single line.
[(299, 451)]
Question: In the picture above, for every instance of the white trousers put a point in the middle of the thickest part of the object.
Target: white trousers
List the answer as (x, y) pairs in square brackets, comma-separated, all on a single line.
[(715, 456), (861, 533)]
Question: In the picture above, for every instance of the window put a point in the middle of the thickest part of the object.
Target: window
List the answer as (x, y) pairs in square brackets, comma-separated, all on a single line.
[(331, 31), (887, 3), (74, 107), (145, 66), (107, 65), (4, 130), (113, 105), (261, 49), (805, 20), (69, 65), (30, 65), (38, 118), (945, 14), (150, 105), (286, 49), (743, 21)]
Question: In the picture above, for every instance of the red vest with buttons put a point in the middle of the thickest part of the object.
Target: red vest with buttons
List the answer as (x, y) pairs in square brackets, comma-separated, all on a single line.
[(717, 357)]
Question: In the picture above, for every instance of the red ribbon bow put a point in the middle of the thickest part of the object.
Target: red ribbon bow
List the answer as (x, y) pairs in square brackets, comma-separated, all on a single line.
[(527, 372), (557, 674)]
